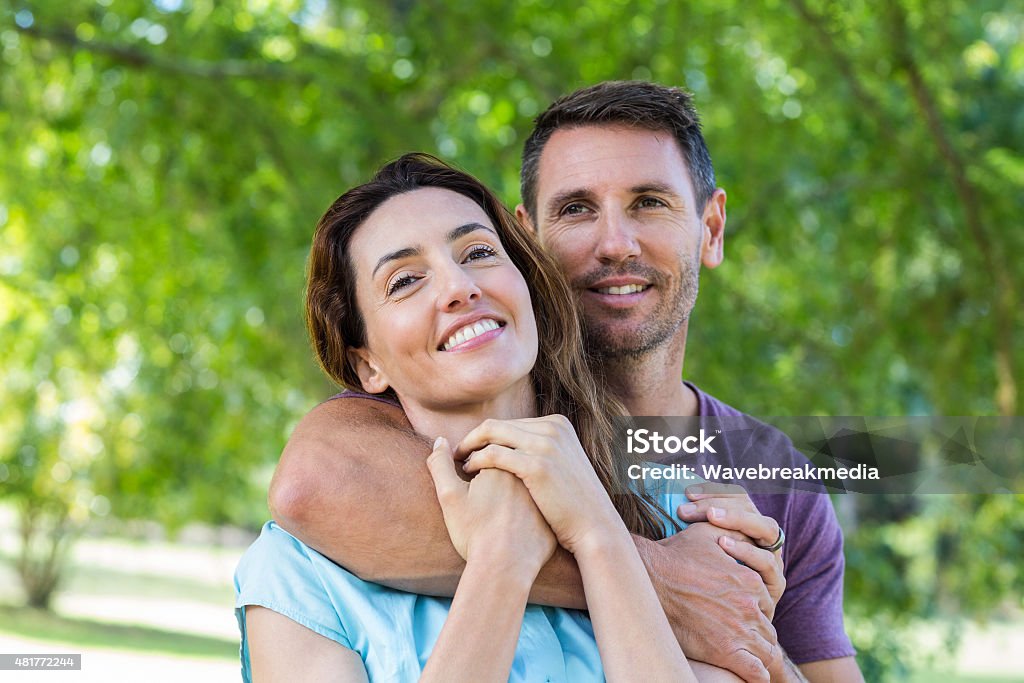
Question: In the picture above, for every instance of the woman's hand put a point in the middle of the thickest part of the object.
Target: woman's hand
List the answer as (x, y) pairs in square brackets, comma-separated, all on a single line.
[(492, 517), (632, 631), (546, 454), (496, 527)]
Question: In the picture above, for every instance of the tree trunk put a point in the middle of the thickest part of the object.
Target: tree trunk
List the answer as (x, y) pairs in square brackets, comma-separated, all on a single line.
[(45, 540)]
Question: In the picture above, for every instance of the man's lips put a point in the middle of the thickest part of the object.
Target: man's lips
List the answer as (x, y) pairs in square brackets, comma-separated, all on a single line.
[(618, 286), (621, 291)]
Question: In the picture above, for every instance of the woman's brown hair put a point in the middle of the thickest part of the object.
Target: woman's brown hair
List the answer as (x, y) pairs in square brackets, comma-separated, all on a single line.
[(562, 377)]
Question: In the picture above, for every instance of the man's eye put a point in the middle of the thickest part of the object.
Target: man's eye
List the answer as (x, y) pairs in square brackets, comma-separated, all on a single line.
[(400, 283), (480, 251), (574, 209), (650, 203)]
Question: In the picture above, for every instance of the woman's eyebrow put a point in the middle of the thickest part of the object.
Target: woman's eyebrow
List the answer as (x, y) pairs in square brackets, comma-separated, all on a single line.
[(394, 256), (453, 234), (456, 233)]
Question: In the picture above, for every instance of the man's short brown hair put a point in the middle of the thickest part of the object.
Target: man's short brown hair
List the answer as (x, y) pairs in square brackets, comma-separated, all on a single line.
[(636, 104)]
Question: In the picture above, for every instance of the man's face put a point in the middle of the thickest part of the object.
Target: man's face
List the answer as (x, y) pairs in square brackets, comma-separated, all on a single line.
[(615, 206)]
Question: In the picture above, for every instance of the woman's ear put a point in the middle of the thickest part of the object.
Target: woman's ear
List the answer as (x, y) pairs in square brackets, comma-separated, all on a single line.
[(371, 376)]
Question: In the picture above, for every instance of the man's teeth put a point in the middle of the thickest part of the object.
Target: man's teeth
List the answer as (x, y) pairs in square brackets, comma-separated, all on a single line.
[(470, 332), (624, 289)]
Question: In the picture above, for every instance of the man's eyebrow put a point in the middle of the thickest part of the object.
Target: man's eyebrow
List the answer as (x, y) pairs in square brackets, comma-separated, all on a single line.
[(579, 193), (656, 188), (453, 234), (567, 196), (394, 256), (456, 233)]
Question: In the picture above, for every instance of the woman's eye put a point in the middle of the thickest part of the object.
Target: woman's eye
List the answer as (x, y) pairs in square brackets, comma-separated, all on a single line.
[(400, 283), (480, 251)]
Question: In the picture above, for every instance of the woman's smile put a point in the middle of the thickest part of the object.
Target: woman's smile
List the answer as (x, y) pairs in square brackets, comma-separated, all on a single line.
[(478, 332)]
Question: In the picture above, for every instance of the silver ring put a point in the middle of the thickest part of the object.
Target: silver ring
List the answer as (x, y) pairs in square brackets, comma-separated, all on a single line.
[(779, 542)]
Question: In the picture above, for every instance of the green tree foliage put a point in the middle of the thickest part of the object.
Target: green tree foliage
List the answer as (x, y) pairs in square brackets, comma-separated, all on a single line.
[(163, 164)]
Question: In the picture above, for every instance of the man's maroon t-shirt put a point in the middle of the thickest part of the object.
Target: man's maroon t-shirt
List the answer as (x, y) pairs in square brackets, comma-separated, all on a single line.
[(809, 616)]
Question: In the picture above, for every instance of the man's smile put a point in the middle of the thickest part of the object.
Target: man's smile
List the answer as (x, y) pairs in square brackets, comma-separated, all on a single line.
[(624, 289)]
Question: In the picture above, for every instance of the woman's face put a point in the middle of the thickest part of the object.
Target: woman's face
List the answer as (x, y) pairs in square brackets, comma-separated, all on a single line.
[(448, 316)]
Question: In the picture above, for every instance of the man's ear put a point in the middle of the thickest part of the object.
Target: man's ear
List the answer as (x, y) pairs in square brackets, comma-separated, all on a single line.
[(713, 243), (371, 376), (523, 216)]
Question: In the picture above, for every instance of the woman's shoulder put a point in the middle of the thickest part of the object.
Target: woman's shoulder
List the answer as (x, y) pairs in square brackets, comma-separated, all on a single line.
[(273, 543), (279, 572), (282, 573), (277, 563), (279, 556), (271, 540), (386, 398), (272, 535)]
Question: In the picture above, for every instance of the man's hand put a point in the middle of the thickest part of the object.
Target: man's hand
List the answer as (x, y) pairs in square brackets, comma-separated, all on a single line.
[(717, 607), (729, 507)]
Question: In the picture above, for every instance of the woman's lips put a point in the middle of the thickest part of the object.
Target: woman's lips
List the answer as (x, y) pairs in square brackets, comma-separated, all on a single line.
[(479, 331)]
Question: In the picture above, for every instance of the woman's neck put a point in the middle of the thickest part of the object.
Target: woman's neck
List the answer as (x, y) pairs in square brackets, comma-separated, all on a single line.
[(455, 421)]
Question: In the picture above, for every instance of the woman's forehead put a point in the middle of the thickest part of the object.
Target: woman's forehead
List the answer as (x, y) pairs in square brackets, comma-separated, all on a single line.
[(424, 214)]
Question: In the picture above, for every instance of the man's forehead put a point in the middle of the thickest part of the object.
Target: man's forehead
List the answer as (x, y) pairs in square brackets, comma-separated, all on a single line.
[(586, 158)]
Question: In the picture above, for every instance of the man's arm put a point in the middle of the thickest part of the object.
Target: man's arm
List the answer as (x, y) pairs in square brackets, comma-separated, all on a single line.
[(810, 616), (717, 607), (840, 670), (816, 586), (353, 483)]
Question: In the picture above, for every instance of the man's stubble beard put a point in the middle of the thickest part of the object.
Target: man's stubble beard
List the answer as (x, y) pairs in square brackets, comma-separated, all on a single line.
[(634, 343)]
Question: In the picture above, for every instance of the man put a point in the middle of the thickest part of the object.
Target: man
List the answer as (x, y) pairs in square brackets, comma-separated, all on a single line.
[(618, 184)]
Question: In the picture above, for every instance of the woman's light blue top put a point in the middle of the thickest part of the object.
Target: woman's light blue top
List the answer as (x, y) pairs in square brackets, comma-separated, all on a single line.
[(394, 631)]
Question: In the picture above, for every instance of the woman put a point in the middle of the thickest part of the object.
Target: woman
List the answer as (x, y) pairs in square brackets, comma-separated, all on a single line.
[(423, 288)]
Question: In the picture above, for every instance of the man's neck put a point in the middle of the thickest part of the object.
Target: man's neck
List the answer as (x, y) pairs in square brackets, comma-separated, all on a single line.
[(652, 384)]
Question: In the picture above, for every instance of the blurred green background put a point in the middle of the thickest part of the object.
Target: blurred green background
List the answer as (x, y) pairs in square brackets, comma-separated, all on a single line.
[(163, 163)]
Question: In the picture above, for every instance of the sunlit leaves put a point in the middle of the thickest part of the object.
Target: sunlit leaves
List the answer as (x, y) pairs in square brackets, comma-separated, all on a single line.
[(163, 164)]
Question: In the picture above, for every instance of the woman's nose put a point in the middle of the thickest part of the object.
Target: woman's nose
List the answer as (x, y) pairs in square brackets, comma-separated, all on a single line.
[(457, 289)]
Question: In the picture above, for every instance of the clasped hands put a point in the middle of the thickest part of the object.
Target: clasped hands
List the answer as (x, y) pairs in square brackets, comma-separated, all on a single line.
[(547, 478), (535, 488)]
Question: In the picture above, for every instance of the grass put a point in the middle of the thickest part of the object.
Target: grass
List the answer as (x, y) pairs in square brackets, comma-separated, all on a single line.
[(145, 587), (86, 580), (43, 625), (932, 676)]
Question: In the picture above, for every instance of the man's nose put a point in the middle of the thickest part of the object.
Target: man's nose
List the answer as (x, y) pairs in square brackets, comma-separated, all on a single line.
[(457, 288), (617, 238)]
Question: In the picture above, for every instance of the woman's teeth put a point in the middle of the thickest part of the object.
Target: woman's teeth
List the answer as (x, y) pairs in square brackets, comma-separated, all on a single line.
[(624, 289), (470, 332)]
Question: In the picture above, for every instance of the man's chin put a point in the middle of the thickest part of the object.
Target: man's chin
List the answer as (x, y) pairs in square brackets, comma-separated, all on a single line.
[(622, 340), (620, 323), (610, 345)]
